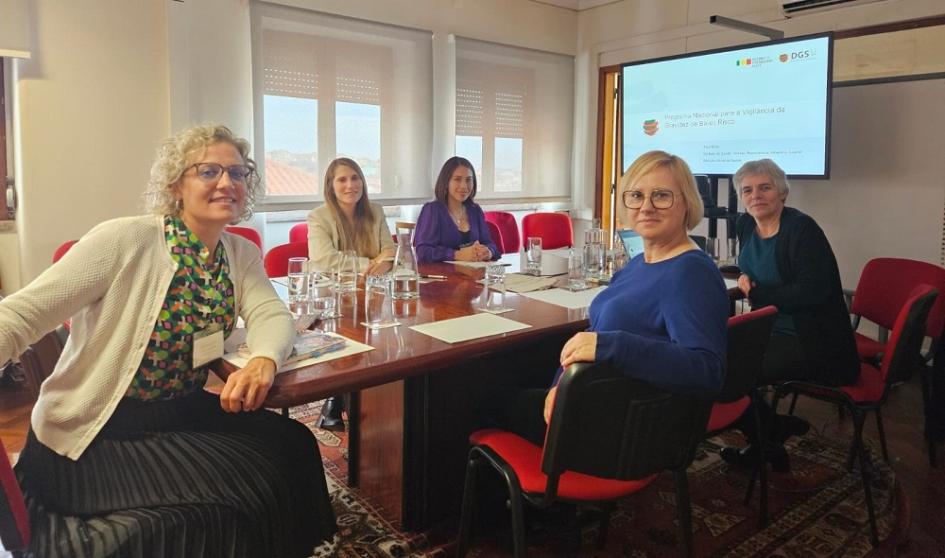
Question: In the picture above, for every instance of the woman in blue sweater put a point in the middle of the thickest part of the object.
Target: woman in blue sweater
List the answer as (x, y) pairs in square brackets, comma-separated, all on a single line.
[(663, 318)]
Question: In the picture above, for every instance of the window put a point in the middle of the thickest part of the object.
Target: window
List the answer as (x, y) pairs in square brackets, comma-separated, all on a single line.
[(514, 113), (330, 87)]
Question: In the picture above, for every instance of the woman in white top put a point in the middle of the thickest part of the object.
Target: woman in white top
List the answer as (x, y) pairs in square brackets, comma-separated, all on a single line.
[(348, 221), (127, 454)]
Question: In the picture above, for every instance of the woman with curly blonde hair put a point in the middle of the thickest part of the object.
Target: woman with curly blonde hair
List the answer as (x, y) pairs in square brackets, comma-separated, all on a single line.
[(127, 454)]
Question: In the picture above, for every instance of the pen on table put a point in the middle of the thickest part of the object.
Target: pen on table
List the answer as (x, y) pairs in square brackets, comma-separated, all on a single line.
[(427, 276)]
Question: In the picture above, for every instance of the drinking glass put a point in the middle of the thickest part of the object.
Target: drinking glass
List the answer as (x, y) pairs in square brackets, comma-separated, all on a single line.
[(493, 295), (298, 279), (592, 260), (533, 255), (732, 251), (346, 274), (324, 297), (577, 277), (377, 301)]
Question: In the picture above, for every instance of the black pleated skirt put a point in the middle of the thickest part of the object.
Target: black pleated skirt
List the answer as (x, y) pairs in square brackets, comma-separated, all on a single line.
[(180, 478)]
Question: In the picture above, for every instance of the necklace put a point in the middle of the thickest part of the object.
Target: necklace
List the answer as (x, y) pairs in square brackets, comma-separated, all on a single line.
[(462, 216)]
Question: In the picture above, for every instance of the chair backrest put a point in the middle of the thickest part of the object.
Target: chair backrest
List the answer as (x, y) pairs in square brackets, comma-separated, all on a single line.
[(495, 234), (299, 233), (14, 519), (886, 283), (905, 340), (748, 336), (511, 242), (554, 229), (277, 259), (39, 359), (607, 425), (61, 251), (247, 233)]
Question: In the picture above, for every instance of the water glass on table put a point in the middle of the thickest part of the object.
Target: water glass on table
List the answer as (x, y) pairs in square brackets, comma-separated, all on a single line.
[(577, 274), (324, 297), (533, 255), (493, 295), (378, 311), (593, 253), (346, 274)]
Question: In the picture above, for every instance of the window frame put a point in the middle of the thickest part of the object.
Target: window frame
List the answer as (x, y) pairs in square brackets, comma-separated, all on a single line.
[(6, 168)]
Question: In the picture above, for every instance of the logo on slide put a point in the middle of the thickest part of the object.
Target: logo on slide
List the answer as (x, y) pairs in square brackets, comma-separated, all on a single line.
[(743, 62), (651, 126), (783, 58)]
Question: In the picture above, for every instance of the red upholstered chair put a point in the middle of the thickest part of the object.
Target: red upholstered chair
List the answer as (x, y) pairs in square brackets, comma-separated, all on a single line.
[(639, 431), (247, 233), (554, 229), (748, 336), (14, 519), (505, 221), (61, 251), (277, 259), (496, 235), (872, 387), (299, 233), (884, 285)]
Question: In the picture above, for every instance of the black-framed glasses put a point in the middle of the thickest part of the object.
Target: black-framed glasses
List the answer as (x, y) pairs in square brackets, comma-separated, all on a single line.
[(661, 199), (211, 172)]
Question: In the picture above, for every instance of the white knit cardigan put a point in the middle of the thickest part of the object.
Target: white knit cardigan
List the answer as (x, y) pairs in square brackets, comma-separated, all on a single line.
[(112, 284)]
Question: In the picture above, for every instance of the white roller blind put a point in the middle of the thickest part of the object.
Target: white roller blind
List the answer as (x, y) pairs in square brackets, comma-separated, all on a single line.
[(329, 86), (15, 36), (514, 116)]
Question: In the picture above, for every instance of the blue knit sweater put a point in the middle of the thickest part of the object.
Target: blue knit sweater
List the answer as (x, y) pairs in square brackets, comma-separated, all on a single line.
[(665, 323)]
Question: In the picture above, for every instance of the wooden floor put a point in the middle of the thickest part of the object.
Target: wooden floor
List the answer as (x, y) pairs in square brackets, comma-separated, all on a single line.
[(924, 486)]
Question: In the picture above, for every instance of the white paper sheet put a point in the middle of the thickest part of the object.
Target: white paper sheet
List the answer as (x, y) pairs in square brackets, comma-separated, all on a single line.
[(469, 327), (731, 283), (566, 298), (351, 348)]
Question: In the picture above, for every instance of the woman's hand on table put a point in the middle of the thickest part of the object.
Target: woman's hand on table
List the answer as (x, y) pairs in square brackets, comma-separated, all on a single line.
[(378, 266), (246, 389), (580, 348), (467, 254), (483, 253)]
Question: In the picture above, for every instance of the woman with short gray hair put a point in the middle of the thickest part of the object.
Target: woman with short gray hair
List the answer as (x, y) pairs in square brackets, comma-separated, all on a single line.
[(786, 261)]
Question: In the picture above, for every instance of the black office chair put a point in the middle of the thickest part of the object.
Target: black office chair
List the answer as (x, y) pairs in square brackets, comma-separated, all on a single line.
[(748, 336), (609, 436)]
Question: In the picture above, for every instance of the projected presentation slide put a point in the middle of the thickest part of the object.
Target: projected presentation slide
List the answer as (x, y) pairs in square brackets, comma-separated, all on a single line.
[(719, 110)]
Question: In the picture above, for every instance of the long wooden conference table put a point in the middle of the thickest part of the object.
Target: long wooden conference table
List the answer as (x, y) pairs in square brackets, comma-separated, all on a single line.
[(417, 398)]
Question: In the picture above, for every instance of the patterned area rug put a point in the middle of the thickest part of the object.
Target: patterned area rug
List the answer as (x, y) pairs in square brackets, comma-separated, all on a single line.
[(817, 510)]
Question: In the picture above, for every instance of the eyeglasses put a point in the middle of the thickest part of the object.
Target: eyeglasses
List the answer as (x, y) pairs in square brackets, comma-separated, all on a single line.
[(211, 172), (661, 199)]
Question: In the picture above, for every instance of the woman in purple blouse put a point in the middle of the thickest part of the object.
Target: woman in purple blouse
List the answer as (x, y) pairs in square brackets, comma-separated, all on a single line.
[(452, 227)]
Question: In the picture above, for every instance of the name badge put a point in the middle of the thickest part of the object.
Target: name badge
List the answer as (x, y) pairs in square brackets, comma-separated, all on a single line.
[(207, 345)]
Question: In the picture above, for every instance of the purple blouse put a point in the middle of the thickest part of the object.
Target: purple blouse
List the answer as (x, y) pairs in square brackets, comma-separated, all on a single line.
[(437, 237)]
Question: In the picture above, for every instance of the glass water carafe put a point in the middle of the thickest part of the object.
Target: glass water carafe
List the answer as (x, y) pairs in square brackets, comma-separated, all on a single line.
[(405, 273)]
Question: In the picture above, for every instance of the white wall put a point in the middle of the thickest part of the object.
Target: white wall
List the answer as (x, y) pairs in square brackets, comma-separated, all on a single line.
[(640, 29), (92, 105), (110, 78)]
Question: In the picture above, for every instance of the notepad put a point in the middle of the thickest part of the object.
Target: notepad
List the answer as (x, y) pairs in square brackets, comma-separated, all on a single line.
[(568, 299), (469, 327), (351, 348)]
